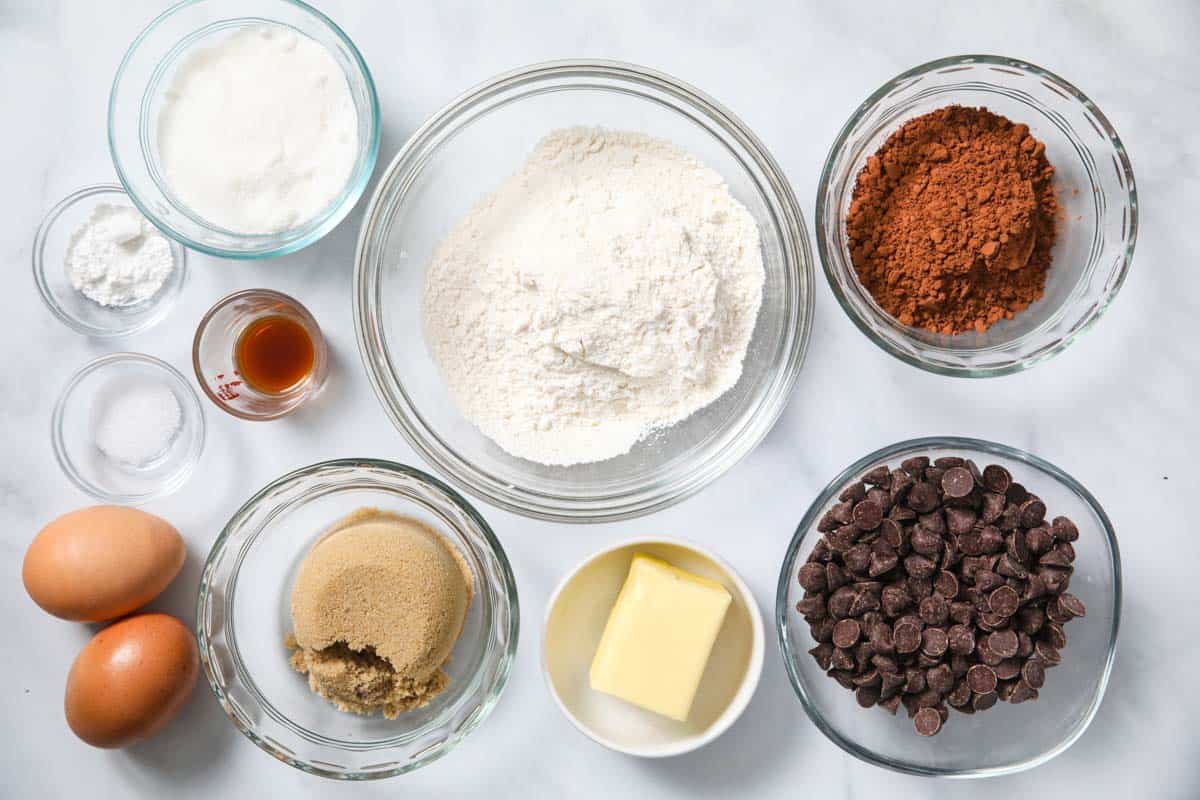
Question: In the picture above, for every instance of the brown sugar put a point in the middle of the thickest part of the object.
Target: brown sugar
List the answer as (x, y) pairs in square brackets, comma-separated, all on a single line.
[(377, 606), (952, 222)]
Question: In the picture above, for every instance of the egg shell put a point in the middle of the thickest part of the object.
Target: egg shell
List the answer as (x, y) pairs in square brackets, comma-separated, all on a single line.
[(130, 680), (102, 562)]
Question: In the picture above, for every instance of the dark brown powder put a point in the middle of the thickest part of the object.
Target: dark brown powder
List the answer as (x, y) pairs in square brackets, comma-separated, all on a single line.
[(951, 223)]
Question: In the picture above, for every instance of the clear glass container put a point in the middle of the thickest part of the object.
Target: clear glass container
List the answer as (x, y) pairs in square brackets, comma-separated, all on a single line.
[(243, 614), (70, 305), (143, 78), (464, 152), (214, 354), (1096, 195), (94, 392), (1006, 738)]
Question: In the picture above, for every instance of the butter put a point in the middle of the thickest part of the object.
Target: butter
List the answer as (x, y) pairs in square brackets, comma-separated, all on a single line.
[(659, 637)]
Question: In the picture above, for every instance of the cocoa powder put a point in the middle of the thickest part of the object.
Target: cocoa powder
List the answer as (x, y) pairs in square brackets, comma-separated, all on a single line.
[(952, 221)]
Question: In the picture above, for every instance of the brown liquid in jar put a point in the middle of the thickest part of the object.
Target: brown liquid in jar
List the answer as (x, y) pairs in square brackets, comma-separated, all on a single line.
[(274, 354)]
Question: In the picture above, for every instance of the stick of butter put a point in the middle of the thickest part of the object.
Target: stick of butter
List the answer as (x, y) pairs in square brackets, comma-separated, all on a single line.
[(659, 637)]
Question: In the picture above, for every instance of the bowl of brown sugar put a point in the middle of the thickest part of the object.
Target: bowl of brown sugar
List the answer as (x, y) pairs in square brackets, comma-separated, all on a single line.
[(975, 215)]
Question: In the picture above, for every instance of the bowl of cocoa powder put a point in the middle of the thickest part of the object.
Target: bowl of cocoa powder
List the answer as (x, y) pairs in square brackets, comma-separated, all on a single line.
[(975, 215)]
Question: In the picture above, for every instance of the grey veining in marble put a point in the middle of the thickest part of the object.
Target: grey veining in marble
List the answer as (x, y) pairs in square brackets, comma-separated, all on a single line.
[(1117, 409)]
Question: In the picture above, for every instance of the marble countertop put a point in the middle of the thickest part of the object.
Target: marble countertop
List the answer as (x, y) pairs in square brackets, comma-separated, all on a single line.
[(1117, 409)]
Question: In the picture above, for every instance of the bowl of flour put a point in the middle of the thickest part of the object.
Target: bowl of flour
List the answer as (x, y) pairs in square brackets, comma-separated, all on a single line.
[(244, 128), (583, 291)]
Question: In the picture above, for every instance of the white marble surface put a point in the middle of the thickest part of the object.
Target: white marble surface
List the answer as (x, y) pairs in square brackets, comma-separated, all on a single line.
[(1117, 409)]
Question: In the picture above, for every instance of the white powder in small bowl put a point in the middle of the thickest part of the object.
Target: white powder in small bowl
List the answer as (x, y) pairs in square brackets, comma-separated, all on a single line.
[(258, 133), (117, 258), (138, 423)]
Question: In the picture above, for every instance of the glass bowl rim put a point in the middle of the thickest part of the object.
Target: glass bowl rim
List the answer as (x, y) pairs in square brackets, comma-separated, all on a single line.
[(808, 523), (189, 398), (162, 304), (826, 251), (507, 587), (318, 226), (662, 491)]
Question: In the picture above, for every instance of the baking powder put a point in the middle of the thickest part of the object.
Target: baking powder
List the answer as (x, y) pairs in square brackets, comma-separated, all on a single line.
[(607, 289), (117, 257)]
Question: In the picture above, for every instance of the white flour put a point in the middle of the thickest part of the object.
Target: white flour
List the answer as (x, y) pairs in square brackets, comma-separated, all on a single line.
[(117, 258), (607, 289), (258, 134)]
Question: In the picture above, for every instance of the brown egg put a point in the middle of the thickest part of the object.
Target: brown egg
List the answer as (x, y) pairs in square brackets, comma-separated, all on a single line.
[(130, 679), (101, 563)]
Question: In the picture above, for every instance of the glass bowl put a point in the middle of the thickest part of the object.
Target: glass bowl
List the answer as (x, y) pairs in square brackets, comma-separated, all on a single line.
[(214, 355), (465, 151), (71, 306), (243, 614), (1007, 738), (1096, 195), (79, 414), (136, 99)]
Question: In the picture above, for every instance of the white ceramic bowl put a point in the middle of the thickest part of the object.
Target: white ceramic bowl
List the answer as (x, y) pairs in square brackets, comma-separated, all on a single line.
[(575, 620)]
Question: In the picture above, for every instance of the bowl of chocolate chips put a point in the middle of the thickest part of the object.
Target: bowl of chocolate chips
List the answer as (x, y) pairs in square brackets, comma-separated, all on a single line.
[(949, 607)]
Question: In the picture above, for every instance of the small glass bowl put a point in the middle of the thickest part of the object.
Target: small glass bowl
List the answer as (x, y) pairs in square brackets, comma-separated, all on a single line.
[(77, 415), (136, 99), (214, 354), (1007, 738), (70, 305), (1096, 195), (243, 615), (462, 153)]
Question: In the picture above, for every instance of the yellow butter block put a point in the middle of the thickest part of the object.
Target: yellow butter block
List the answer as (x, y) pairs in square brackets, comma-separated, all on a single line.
[(659, 637)]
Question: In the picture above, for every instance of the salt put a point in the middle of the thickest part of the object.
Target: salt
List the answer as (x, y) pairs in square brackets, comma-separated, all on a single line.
[(138, 424)]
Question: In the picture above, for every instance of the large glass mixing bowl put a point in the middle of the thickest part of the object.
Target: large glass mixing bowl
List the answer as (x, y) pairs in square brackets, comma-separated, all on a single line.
[(464, 152)]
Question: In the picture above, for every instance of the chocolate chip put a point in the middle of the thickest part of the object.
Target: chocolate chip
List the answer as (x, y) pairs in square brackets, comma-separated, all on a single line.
[(867, 696), (940, 679), (812, 577), (1016, 493), (878, 476), (853, 493), (907, 637), (1064, 529), (822, 653), (846, 633), (919, 566), (813, 608), (960, 695), (934, 610), (1033, 511), (1047, 653), (960, 520), (996, 478), (891, 532), (1008, 669), (981, 679), (927, 721), (835, 577), (915, 464), (891, 704), (946, 462), (857, 559), (958, 482), (926, 542), (961, 639), (1004, 601), (992, 507), (982, 702), (895, 598), (1034, 673), (1003, 643), (1038, 540), (1021, 692), (867, 515), (1055, 635), (1071, 604), (923, 498), (946, 584), (934, 642)]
